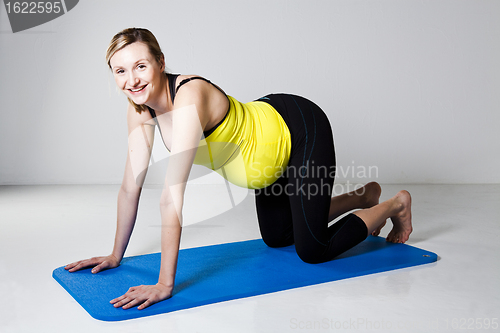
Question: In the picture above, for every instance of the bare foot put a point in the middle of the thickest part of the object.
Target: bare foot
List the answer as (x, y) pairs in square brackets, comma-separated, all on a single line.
[(401, 221), (370, 194)]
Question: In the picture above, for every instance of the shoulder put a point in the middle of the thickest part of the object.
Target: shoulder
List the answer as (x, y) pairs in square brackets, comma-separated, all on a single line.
[(197, 93), (192, 88), (210, 100)]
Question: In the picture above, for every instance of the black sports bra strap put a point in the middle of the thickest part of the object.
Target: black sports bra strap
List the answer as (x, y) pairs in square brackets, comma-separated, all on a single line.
[(153, 115), (197, 77), (172, 78)]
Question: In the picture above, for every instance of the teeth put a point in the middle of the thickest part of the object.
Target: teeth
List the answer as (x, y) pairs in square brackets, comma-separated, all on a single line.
[(137, 89)]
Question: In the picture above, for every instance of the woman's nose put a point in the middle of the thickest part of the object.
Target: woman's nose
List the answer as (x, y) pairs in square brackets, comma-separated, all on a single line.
[(132, 79)]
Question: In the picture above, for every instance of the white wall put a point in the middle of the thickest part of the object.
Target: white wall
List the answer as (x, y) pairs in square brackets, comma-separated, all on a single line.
[(411, 87)]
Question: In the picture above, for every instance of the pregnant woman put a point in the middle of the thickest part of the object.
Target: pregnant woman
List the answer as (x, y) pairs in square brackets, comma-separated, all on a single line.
[(279, 145)]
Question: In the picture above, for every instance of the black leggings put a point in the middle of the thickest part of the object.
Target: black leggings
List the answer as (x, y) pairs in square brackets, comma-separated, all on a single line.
[(294, 209)]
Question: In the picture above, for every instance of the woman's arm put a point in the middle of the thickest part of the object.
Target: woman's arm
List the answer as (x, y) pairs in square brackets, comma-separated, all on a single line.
[(188, 120), (140, 141)]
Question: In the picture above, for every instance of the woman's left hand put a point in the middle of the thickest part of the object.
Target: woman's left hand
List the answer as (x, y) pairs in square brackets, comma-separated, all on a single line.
[(143, 295)]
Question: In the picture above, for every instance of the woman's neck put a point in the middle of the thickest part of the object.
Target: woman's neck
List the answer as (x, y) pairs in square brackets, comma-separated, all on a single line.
[(160, 101)]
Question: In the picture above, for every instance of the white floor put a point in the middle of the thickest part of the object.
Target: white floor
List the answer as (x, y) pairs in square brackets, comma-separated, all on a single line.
[(44, 227)]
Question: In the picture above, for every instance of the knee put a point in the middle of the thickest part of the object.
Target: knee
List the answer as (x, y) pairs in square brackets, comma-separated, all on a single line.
[(310, 255), (274, 241)]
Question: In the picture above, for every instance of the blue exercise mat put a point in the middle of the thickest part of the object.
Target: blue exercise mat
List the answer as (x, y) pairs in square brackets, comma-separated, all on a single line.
[(224, 272)]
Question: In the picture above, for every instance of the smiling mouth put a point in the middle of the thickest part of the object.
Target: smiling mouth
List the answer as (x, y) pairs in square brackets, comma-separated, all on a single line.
[(138, 89)]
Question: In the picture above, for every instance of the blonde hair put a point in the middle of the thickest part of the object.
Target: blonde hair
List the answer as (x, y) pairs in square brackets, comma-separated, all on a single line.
[(127, 37)]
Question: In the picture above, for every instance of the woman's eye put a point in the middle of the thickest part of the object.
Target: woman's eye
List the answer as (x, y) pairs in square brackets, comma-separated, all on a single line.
[(141, 66), (119, 71)]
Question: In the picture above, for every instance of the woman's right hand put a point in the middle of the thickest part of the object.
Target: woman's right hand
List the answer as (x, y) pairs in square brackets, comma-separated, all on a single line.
[(100, 263)]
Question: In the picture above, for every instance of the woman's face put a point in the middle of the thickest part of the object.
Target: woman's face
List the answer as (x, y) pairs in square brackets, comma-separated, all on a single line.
[(137, 73)]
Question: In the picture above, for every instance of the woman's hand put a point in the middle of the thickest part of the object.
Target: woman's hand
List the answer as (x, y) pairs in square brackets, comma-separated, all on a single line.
[(143, 295), (100, 263)]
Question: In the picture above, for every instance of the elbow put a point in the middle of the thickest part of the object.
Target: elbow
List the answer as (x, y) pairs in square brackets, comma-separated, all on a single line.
[(169, 200), (130, 191), (166, 200), (171, 210)]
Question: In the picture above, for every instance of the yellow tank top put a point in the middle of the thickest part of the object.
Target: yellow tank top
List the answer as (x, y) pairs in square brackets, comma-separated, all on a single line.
[(250, 148)]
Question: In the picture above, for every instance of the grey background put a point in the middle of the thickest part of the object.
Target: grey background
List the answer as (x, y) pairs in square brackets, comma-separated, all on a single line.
[(411, 87)]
